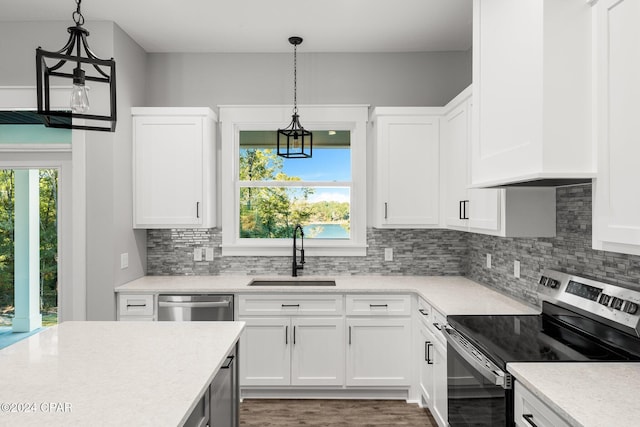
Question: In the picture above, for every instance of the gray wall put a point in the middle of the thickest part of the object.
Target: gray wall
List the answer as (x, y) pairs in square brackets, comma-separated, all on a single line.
[(110, 186), (389, 79)]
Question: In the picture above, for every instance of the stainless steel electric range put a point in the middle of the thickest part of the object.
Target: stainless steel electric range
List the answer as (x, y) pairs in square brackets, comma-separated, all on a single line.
[(581, 320)]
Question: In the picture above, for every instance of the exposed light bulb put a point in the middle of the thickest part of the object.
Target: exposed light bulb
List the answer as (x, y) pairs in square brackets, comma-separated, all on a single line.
[(79, 98)]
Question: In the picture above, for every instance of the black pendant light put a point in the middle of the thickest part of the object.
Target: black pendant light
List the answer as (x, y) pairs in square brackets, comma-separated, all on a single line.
[(99, 71), (294, 141)]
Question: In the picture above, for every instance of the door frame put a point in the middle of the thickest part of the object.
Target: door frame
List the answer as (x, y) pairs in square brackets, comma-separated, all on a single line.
[(71, 163)]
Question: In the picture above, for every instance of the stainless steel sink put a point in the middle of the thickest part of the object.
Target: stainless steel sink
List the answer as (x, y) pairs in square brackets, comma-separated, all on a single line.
[(285, 282)]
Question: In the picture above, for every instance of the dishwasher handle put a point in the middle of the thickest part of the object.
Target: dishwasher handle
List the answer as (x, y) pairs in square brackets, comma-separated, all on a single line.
[(195, 304), (476, 359)]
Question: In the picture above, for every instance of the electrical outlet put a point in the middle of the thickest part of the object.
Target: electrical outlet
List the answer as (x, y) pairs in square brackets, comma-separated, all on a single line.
[(488, 260), (208, 254), (197, 254), (516, 269), (124, 260), (388, 254)]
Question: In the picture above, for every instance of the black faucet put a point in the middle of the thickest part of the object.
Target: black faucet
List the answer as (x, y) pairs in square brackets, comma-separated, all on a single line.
[(295, 267)]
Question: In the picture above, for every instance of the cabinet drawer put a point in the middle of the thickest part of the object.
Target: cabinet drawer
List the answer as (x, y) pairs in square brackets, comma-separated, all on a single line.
[(529, 410), (424, 312), (378, 305), (437, 321), (135, 305), (278, 305)]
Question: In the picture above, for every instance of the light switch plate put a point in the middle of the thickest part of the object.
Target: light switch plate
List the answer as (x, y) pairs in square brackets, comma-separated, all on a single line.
[(488, 260), (388, 254), (124, 260), (516, 269), (208, 254), (197, 254)]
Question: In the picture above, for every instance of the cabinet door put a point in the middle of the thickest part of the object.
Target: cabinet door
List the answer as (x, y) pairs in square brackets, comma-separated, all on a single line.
[(378, 352), (439, 403), (484, 209), (409, 168), (168, 158), (317, 351), (265, 352), (617, 203), (455, 144), (426, 364)]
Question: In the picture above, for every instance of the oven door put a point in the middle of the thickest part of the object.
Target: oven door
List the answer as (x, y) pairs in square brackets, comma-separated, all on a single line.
[(479, 392)]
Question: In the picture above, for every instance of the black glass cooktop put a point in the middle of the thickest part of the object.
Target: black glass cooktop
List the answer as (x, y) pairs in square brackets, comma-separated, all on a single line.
[(556, 335)]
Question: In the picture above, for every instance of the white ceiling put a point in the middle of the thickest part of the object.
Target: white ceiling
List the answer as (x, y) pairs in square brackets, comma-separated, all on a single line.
[(265, 25)]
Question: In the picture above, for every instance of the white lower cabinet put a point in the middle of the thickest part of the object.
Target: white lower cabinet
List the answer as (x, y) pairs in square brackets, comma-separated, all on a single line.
[(377, 352), (292, 351), (426, 364), (266, 355), (531, 411), (317, 352), (136, 307), (439, 406), (432, 359)]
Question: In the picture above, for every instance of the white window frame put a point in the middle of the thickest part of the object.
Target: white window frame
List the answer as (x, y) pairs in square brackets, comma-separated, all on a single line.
[(234, 119)]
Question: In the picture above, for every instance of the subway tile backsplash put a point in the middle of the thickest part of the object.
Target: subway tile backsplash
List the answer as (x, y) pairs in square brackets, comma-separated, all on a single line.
[(426, 252)]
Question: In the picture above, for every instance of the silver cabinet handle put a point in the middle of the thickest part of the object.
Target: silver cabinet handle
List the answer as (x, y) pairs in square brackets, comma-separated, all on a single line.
[(349, 335), (290, 305), (529, 419), (423, 312), (136, 305), (196, 304), (286, 335), (294, 335), (197, 209), (385, 210), (378, 305), (437, 326)]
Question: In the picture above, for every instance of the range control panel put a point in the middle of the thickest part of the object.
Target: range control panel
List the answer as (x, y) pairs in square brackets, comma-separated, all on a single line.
[(605, 302)]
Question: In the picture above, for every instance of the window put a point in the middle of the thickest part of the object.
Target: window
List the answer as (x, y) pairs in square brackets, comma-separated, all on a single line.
[(325, 194)]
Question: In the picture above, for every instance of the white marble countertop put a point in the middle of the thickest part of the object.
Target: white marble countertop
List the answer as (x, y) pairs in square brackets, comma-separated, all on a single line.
[(449, 294), (585, 394), (112, 373)]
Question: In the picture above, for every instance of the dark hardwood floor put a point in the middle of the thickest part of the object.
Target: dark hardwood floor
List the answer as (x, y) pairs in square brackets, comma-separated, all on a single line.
[(332, 413)]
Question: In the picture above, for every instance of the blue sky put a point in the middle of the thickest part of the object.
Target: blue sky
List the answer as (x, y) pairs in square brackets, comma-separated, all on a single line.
[(325, 165)]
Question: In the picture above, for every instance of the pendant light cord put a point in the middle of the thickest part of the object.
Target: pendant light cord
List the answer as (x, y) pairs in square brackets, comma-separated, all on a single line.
[(295, 79)]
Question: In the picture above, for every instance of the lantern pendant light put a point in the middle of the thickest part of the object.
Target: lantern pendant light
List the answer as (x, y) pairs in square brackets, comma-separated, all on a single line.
[(99, 71), (294, 141)]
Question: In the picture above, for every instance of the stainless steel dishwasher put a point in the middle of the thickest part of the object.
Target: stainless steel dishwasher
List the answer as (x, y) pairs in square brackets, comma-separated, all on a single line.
[(222, 408), (195, 308)]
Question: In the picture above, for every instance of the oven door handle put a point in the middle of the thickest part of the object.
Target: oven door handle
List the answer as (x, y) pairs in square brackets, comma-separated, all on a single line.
[(496, 376)]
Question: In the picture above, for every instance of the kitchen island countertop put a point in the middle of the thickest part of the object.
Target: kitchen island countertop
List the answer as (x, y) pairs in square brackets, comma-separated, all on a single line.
[(585, 394), (449, 294), (112, 373)]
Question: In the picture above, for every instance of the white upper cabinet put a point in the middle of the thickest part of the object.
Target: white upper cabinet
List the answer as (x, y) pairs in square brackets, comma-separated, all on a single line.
[(406, 173), (616, 214), (532, 91), (511, 212), (173, 167)]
